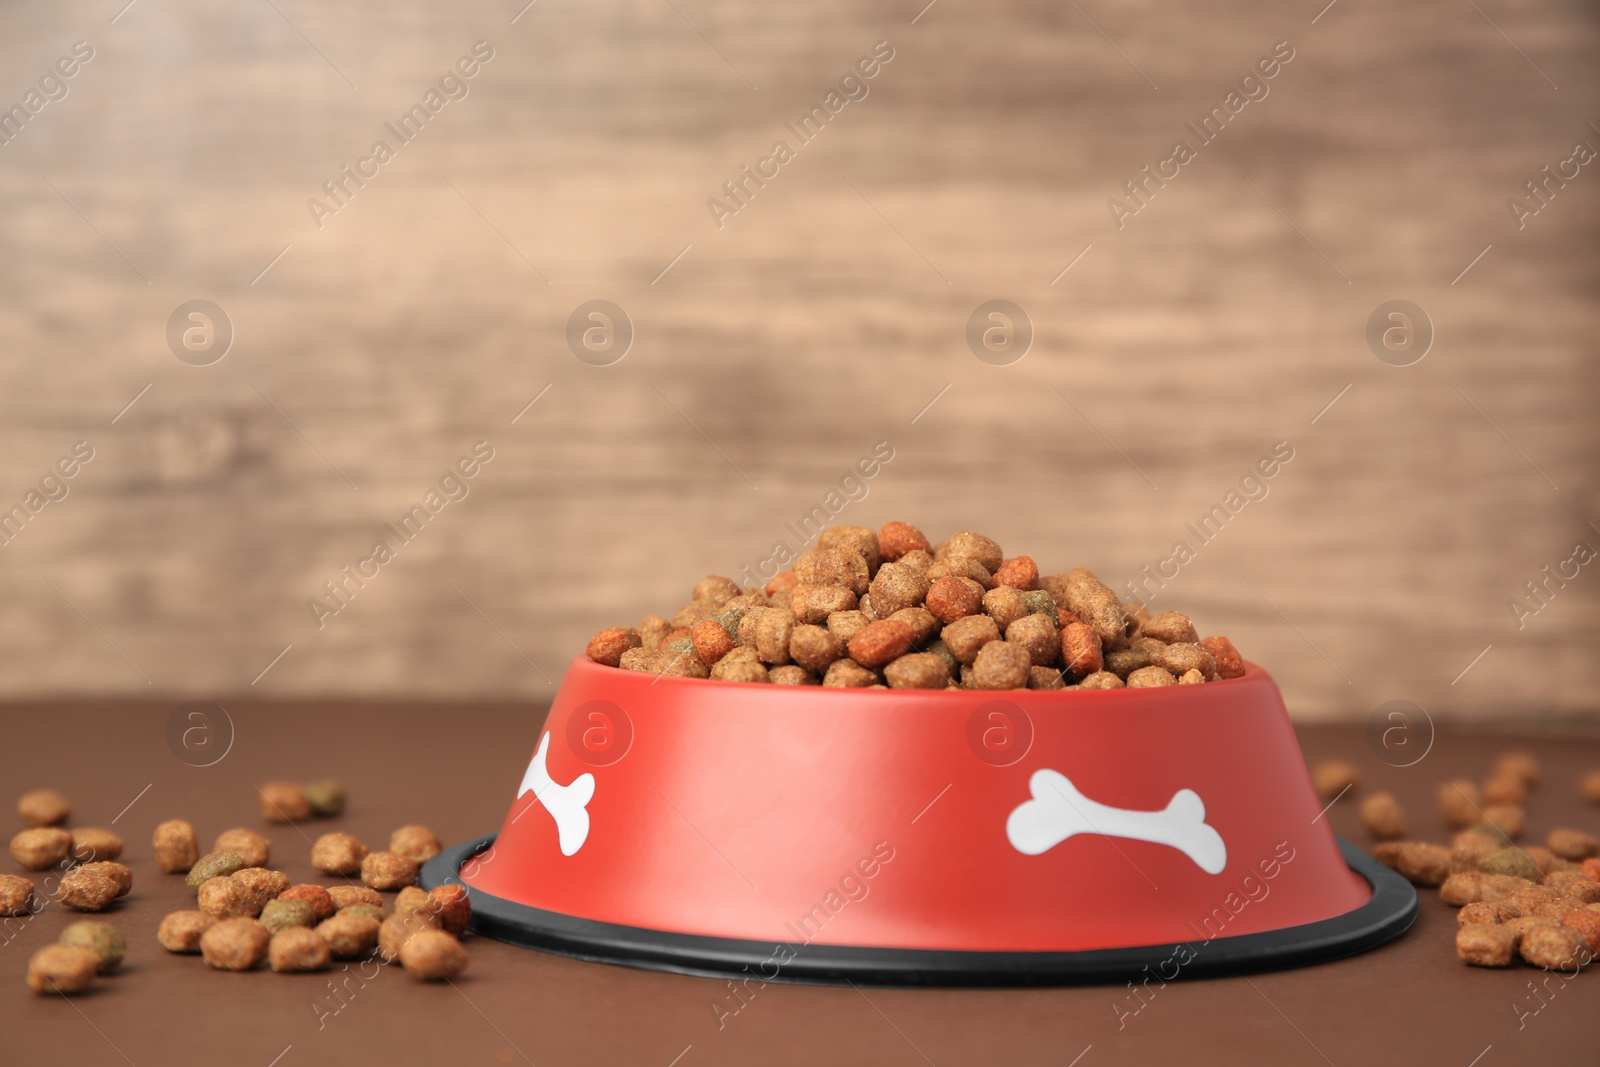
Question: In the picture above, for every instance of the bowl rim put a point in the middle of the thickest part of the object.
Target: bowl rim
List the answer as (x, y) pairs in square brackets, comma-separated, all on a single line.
[(1253, 672)]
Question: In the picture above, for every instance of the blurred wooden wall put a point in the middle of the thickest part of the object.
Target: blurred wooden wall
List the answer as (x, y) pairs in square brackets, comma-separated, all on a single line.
[(823, 317)]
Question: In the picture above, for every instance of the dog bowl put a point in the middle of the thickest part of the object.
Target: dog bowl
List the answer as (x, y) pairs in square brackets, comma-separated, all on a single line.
[(922, 837)]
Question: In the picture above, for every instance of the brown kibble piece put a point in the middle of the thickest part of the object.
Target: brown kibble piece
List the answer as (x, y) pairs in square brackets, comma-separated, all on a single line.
[(844, 625), (918, 670), (715, 589), (833, 566), (43, 807), (1510, 818), (791, 674), (222, 898), (298, 950), (338, 853), (180, 931), (397, 929), (880, 642), (813, 604), (954, 598), (1467, 887), (1520, 763), (862, 540), (260, 885), (213, 865), (345, 895), (1554, 947), (388, 870), (175, 846), (1573, 845), (1081, 650), (1460, 803), (1485, 945), (253, 848), (1045, 678), (609, 644), (848, 674), (1004, 605), (1170, 626), (741, 665), (349, 936), (90, 843), (1381, 815), (923, 625), (318, 897), (897, 587), (1150, 677), (961, 567), (1484, 911), (896, 539), (1504, 787), (433, 955), (1589, 786), (89, 888), (16, 895), (1037, 634), (1102, 680), (1417, 861), (119, 873), (1181, 657), (235, 944), (103, 939), (453, 905), (1334, 777), (41, 848), (416, 843), (283, 802), (779, 582), (974, 546), (966, 636), (1091, 600), (774, 627), (652, 631), (62, 969), (1001, 665)]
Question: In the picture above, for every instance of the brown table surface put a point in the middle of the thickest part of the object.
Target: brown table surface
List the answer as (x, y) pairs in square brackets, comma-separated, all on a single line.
[(455, 768)]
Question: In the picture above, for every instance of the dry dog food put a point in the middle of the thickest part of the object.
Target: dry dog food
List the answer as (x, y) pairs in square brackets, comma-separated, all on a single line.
[(180, 931), (433, 955), (1381, 814), (16, 895), (317, 897), (326, 798), (92, 887), (43, 807), (1334, 777), (888, 609), (280, 914), (255, 850), (416, 843), (213, 865), (349, 936), (235, 944), (175, 846), (283, 802), (388, 870), (62, 969), (297, 949), (41, 848), (105, 940), (90, 844), (1589, 786), (338, 853), (345, 895)]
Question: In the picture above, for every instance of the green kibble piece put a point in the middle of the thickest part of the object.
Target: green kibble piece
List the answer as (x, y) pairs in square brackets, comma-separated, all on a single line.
[(326, 797), (103, 939), (371, 911), (1511, 861), (1039, 602), (214, 865), (282, 914)]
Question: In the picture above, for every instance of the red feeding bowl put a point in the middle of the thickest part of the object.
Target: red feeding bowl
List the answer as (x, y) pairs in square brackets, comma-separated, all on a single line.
[(921, 836)]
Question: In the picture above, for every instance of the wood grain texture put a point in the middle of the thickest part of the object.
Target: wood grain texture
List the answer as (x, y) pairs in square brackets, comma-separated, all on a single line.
[(821, 318)]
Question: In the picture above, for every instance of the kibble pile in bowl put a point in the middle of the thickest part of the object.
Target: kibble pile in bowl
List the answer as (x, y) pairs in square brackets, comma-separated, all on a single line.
[(885, 608)]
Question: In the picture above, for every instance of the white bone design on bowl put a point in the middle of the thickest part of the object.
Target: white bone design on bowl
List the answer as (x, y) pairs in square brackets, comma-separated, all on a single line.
[(1058, 811), (567, 804)]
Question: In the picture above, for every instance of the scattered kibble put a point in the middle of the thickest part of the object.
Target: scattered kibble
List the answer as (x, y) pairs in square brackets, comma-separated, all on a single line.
[(1554, 947), (1520, 764), (433, 955), (41, 848), (281, 914), (453, 905), (180, 931), (1381, 815), (1512, 861), (349, 936), (253, 848), (326, 797), (235, 944), (867, 609), (1574, 845), (318, 897), (345, 895), (175, 845), (105, 940), (1486, 945), (1418, 861), (388, 870), (1461, 803), (338, 853), (16, 895), (283, 802), (1589, 786), (416, 843), (89, 888), (91, 843), (62, 969), (1334, 777), (298, 949), (213, 865), (43, 807)]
